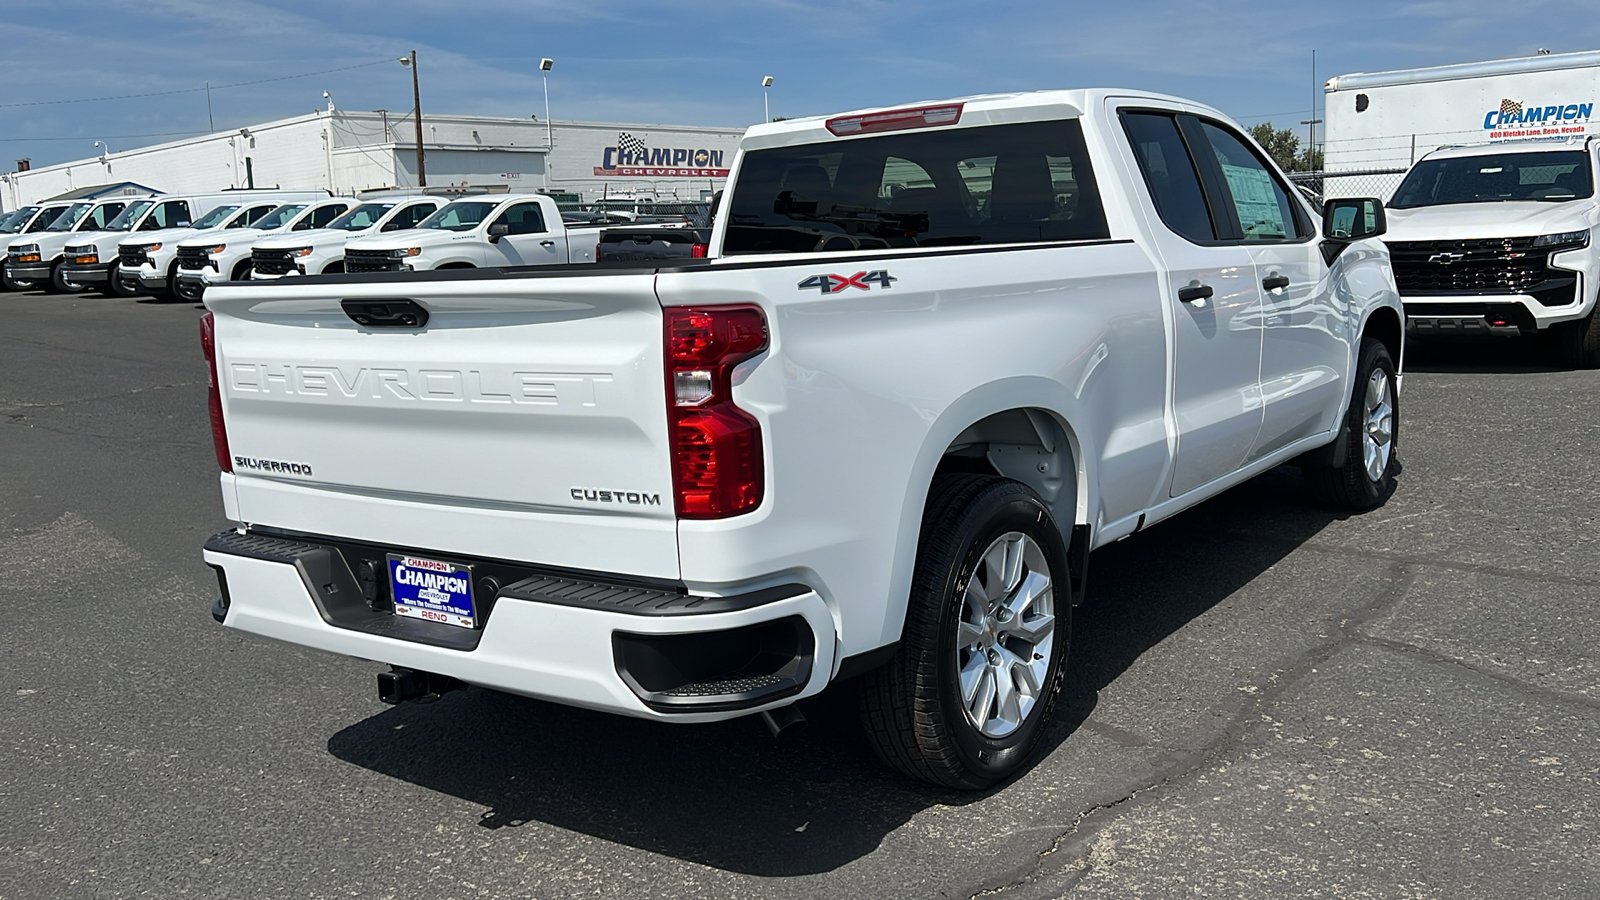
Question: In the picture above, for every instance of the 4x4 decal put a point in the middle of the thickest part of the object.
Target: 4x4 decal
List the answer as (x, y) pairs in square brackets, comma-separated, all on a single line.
[(833, 284)]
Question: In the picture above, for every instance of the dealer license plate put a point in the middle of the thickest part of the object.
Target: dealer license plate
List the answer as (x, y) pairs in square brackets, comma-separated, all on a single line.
[(432, 590)]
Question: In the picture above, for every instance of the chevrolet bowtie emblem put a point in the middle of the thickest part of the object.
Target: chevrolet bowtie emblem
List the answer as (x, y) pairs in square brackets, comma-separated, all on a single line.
[(1446, 258)]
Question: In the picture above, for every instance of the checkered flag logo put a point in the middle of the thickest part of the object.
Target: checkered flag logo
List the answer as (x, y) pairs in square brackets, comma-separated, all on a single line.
[(1510, 108), (630, 145)]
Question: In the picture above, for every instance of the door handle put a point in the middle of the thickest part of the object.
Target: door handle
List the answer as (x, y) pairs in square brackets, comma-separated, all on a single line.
[(553, 243), (1275, 282), (1195, 293)]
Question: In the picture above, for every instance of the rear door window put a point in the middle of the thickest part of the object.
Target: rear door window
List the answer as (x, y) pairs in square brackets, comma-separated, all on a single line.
[(1024, 183), (1170, 174)]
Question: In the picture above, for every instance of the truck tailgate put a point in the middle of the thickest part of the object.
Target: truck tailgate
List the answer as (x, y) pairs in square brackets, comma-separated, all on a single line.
[(525, 423)]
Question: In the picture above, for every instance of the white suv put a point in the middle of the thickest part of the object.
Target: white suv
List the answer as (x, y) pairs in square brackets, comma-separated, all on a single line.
[(320, 251), (1502, 237)]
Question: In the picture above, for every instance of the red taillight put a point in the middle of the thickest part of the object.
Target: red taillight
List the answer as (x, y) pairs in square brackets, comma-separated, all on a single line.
[(896, 119), (698, 251), (716, 446), (219, 431)]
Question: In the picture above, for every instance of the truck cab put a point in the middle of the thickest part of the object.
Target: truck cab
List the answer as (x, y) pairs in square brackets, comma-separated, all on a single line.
[(471, 233), (320, 251), (1501, 238), (217, 256), (41, 260)]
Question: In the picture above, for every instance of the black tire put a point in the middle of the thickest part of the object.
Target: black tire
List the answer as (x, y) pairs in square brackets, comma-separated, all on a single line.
[(334, 268), (1578, 343), (114, 286), (1350, 486), (11, 284), (912, 707), (59, 283), (243, 271)]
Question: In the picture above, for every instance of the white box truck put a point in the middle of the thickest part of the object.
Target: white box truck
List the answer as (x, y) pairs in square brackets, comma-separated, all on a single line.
[(1380, 123)]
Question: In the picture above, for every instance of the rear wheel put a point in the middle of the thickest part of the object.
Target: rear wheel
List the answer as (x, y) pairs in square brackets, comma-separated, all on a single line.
[(60, 284), (1371, 432), (1578, 343), (964, 701)]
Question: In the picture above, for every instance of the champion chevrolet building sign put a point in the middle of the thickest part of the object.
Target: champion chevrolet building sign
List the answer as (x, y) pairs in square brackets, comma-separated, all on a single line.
[(632, 157)]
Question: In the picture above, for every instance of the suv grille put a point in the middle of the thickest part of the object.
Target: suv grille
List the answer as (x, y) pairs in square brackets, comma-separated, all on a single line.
[(1482, 266), (370, 261), (271, 262), (193, 259), (132, 257)]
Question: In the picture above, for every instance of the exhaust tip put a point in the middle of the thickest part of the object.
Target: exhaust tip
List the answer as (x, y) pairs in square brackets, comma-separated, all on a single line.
[(785, 721)]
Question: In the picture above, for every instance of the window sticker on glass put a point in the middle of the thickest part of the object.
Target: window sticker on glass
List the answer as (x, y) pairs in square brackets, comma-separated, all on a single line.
[(1257, 203)]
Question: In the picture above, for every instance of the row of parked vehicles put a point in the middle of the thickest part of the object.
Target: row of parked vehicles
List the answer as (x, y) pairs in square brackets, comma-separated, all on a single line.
[(180, 245)]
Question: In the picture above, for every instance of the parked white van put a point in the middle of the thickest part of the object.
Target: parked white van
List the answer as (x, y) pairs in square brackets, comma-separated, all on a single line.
[(40, 218), (39, 260)]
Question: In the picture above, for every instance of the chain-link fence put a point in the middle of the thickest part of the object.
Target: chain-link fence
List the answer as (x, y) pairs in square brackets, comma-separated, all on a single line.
[(1330, 185)]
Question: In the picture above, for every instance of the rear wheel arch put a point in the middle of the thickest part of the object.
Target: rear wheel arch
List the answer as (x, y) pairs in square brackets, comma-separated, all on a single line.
[(456, 265)]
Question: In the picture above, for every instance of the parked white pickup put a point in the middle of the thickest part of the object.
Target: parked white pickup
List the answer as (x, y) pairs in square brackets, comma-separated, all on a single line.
[(515, 230), (938, 354)]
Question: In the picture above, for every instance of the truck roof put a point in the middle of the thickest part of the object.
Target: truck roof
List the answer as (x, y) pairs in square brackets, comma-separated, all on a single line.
[(1457, 71), (979, 109)]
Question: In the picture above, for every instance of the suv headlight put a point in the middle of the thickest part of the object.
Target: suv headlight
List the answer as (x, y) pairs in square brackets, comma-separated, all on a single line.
[(402, 254), (1576, 238), (26, 253), (149, 248), (299, 253), (217, 249)]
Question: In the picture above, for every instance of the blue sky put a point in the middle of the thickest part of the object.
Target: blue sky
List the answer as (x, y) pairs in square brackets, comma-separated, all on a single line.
[(701, 63)]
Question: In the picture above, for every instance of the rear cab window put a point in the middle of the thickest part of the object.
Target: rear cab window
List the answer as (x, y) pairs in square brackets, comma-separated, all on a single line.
[(993, 184)]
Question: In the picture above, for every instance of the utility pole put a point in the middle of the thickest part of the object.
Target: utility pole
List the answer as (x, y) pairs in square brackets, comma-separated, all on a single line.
[(1313, 122), (416, 98)]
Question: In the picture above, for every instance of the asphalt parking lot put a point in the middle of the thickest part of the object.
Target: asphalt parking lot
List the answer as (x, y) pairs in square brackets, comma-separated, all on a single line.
[(1265, 699)]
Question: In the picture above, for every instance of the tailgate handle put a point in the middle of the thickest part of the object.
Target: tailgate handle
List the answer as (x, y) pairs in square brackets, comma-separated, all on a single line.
[(386, 313)]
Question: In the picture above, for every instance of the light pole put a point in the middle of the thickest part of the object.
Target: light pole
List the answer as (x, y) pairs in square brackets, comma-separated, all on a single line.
[(105, 150), (416, 98), (545, 66), (766, 87)]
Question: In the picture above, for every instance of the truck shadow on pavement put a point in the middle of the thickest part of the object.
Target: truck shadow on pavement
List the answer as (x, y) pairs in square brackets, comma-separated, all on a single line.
[(730, 796), (1492, 355)]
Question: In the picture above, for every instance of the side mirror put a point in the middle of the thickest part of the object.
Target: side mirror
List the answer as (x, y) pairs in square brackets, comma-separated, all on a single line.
[(1353, 219), (497, 231), (1347, 220)]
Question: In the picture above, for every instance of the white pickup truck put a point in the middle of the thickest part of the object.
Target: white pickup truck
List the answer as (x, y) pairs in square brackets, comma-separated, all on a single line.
[(477, 232), (320, 251), (1502, 237), (937, 355)]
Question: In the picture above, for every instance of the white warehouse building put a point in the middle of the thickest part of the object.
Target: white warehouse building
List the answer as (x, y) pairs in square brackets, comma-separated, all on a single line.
[(348, 152)]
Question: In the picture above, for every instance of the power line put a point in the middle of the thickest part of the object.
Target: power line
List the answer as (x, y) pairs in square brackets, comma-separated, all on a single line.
[(109, 137), (198, 90)]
